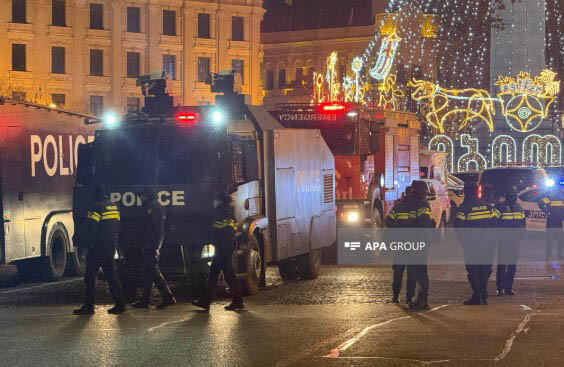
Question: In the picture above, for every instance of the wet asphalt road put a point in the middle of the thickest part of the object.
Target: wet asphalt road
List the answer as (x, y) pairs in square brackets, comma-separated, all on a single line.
[(343, 318)]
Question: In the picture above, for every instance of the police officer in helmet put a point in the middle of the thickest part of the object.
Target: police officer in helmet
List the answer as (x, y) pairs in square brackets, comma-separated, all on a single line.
[(552, 204), (103, 229), (153, 229), (512, 225), (472, 217), (223, 234)]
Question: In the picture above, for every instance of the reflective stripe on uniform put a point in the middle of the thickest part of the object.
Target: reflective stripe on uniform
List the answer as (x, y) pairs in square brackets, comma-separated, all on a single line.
[(556, 203), (515, 215), (461, 216), (423, 211), (95, 216), (392, 215), (485, 214), (220, 224), (546, 201), (496, 213), (110, 214)]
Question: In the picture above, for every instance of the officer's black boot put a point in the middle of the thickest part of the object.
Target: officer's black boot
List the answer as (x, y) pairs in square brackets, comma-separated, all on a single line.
[(395, 298), (84, 310), (202, 303), (117, 309), (420, 303), (235, 305), (474, 300), (167, 301)]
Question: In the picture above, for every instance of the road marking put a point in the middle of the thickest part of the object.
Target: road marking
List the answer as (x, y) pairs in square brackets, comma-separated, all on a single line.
[(40, 286), (526, 308), (165, 324), (334, 353), (424, 363), (509, 342)]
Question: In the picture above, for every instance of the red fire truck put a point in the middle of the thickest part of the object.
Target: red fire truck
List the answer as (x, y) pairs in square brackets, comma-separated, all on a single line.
[(38, 157), (376, 154)]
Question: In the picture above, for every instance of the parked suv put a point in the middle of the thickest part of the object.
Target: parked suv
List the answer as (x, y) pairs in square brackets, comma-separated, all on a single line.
[(499, 180)]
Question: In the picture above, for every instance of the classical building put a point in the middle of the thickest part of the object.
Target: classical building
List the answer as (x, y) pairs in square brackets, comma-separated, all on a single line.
[(294, 50), (86, 55)]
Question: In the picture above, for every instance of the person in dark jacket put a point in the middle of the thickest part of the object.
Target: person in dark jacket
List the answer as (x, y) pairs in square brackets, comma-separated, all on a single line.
[(472, 216), (512, 225), (153, 228), (223, 233), (399, 265), (552, 204), (103, 222)]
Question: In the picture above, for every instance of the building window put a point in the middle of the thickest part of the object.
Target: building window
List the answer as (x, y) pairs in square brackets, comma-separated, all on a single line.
[(169, 66), (96, 105), (58, 100), (310, 71), (58, 13), (18, 11), (58, 60), (269, 80), (203, 25), (18, 57), (237, 32), (132, 104), (133, 20), (238, 67), (96, 16), (169, 22), (281, 78), (203, 68), (133, 64), (18, 96), (300, 76), (96, 62)]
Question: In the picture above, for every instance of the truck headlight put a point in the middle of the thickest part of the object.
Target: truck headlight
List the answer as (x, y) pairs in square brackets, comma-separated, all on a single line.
[(352, 217), (208, 251)]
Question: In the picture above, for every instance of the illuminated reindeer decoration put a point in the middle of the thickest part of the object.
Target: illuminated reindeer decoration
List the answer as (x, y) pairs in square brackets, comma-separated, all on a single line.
[(468, 104)]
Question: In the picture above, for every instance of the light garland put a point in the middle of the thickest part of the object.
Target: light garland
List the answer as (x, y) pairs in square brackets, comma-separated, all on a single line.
[(472, 155), (389, 94), (497, 149), (443, 143), (386, 56), (442, 107), (542, 143)]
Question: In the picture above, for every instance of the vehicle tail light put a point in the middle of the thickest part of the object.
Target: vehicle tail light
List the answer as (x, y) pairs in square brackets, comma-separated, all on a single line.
[(184, 117), (331, 107), (534, 186), (479, 191)]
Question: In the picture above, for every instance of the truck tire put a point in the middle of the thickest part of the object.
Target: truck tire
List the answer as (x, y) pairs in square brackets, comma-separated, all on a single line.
[(310, 264), (78, 260), (250, 283), (288, 270), (54, 264)]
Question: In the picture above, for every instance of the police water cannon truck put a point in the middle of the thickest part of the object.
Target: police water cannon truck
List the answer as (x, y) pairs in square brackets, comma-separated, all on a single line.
[(281, 181), (38, 155)]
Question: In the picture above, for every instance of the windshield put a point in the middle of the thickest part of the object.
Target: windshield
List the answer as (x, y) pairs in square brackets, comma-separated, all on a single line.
[(504, 179), (159, 155), (468, 176)]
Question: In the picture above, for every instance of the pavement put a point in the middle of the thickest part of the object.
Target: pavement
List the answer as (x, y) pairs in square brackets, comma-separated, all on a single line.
[(343, 318)]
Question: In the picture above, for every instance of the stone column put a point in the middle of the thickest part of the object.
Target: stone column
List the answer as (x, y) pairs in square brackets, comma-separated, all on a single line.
[(154, 31), (117, 68), (79, 66)]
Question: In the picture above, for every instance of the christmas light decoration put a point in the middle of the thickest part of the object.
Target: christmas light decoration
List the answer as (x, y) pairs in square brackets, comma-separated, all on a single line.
[(356, 67), (461, 104), (386, 56), (472, 155), (348, 89), (331, 76), (525, 101), (389, 94), (443, 143), (318, 88), (497, 149), (542, 143)]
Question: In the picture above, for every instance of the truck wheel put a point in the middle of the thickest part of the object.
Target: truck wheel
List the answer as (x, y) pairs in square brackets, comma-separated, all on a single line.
[(288, 270), (250, 283), (78, 260), (54, 263), (310, 264)]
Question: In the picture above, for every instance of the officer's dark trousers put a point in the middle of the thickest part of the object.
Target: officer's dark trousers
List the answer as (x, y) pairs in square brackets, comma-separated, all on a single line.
[(420, 277), (102, 255), (554, 235), (153, 275), (397, 282), (507, 257), (222, 263), (478, 276)]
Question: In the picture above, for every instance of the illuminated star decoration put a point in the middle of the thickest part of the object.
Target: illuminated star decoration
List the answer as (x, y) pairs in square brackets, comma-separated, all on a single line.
[(470, 103), (389, 95), (386, 56), (526, 100)]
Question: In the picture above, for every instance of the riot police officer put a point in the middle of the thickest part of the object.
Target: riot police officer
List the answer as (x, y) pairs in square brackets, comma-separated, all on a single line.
[(472, 216), (553, 205), (103, 222), (153, 235), (399, 265), (223, 232), (512, 224)]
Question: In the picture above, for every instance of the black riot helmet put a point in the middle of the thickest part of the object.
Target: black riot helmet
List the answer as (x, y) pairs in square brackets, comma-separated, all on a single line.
[(420, 189), (99, 192)]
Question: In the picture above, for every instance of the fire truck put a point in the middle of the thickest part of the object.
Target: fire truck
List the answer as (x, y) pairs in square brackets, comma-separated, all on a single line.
[(281, 181), (38, 154), (376, 154)]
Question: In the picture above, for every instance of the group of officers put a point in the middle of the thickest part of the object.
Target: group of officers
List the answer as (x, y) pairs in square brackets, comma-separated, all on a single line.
[(103, 222), (473, 218)]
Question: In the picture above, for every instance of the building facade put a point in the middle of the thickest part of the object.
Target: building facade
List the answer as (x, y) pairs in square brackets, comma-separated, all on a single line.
[(86, 55)]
